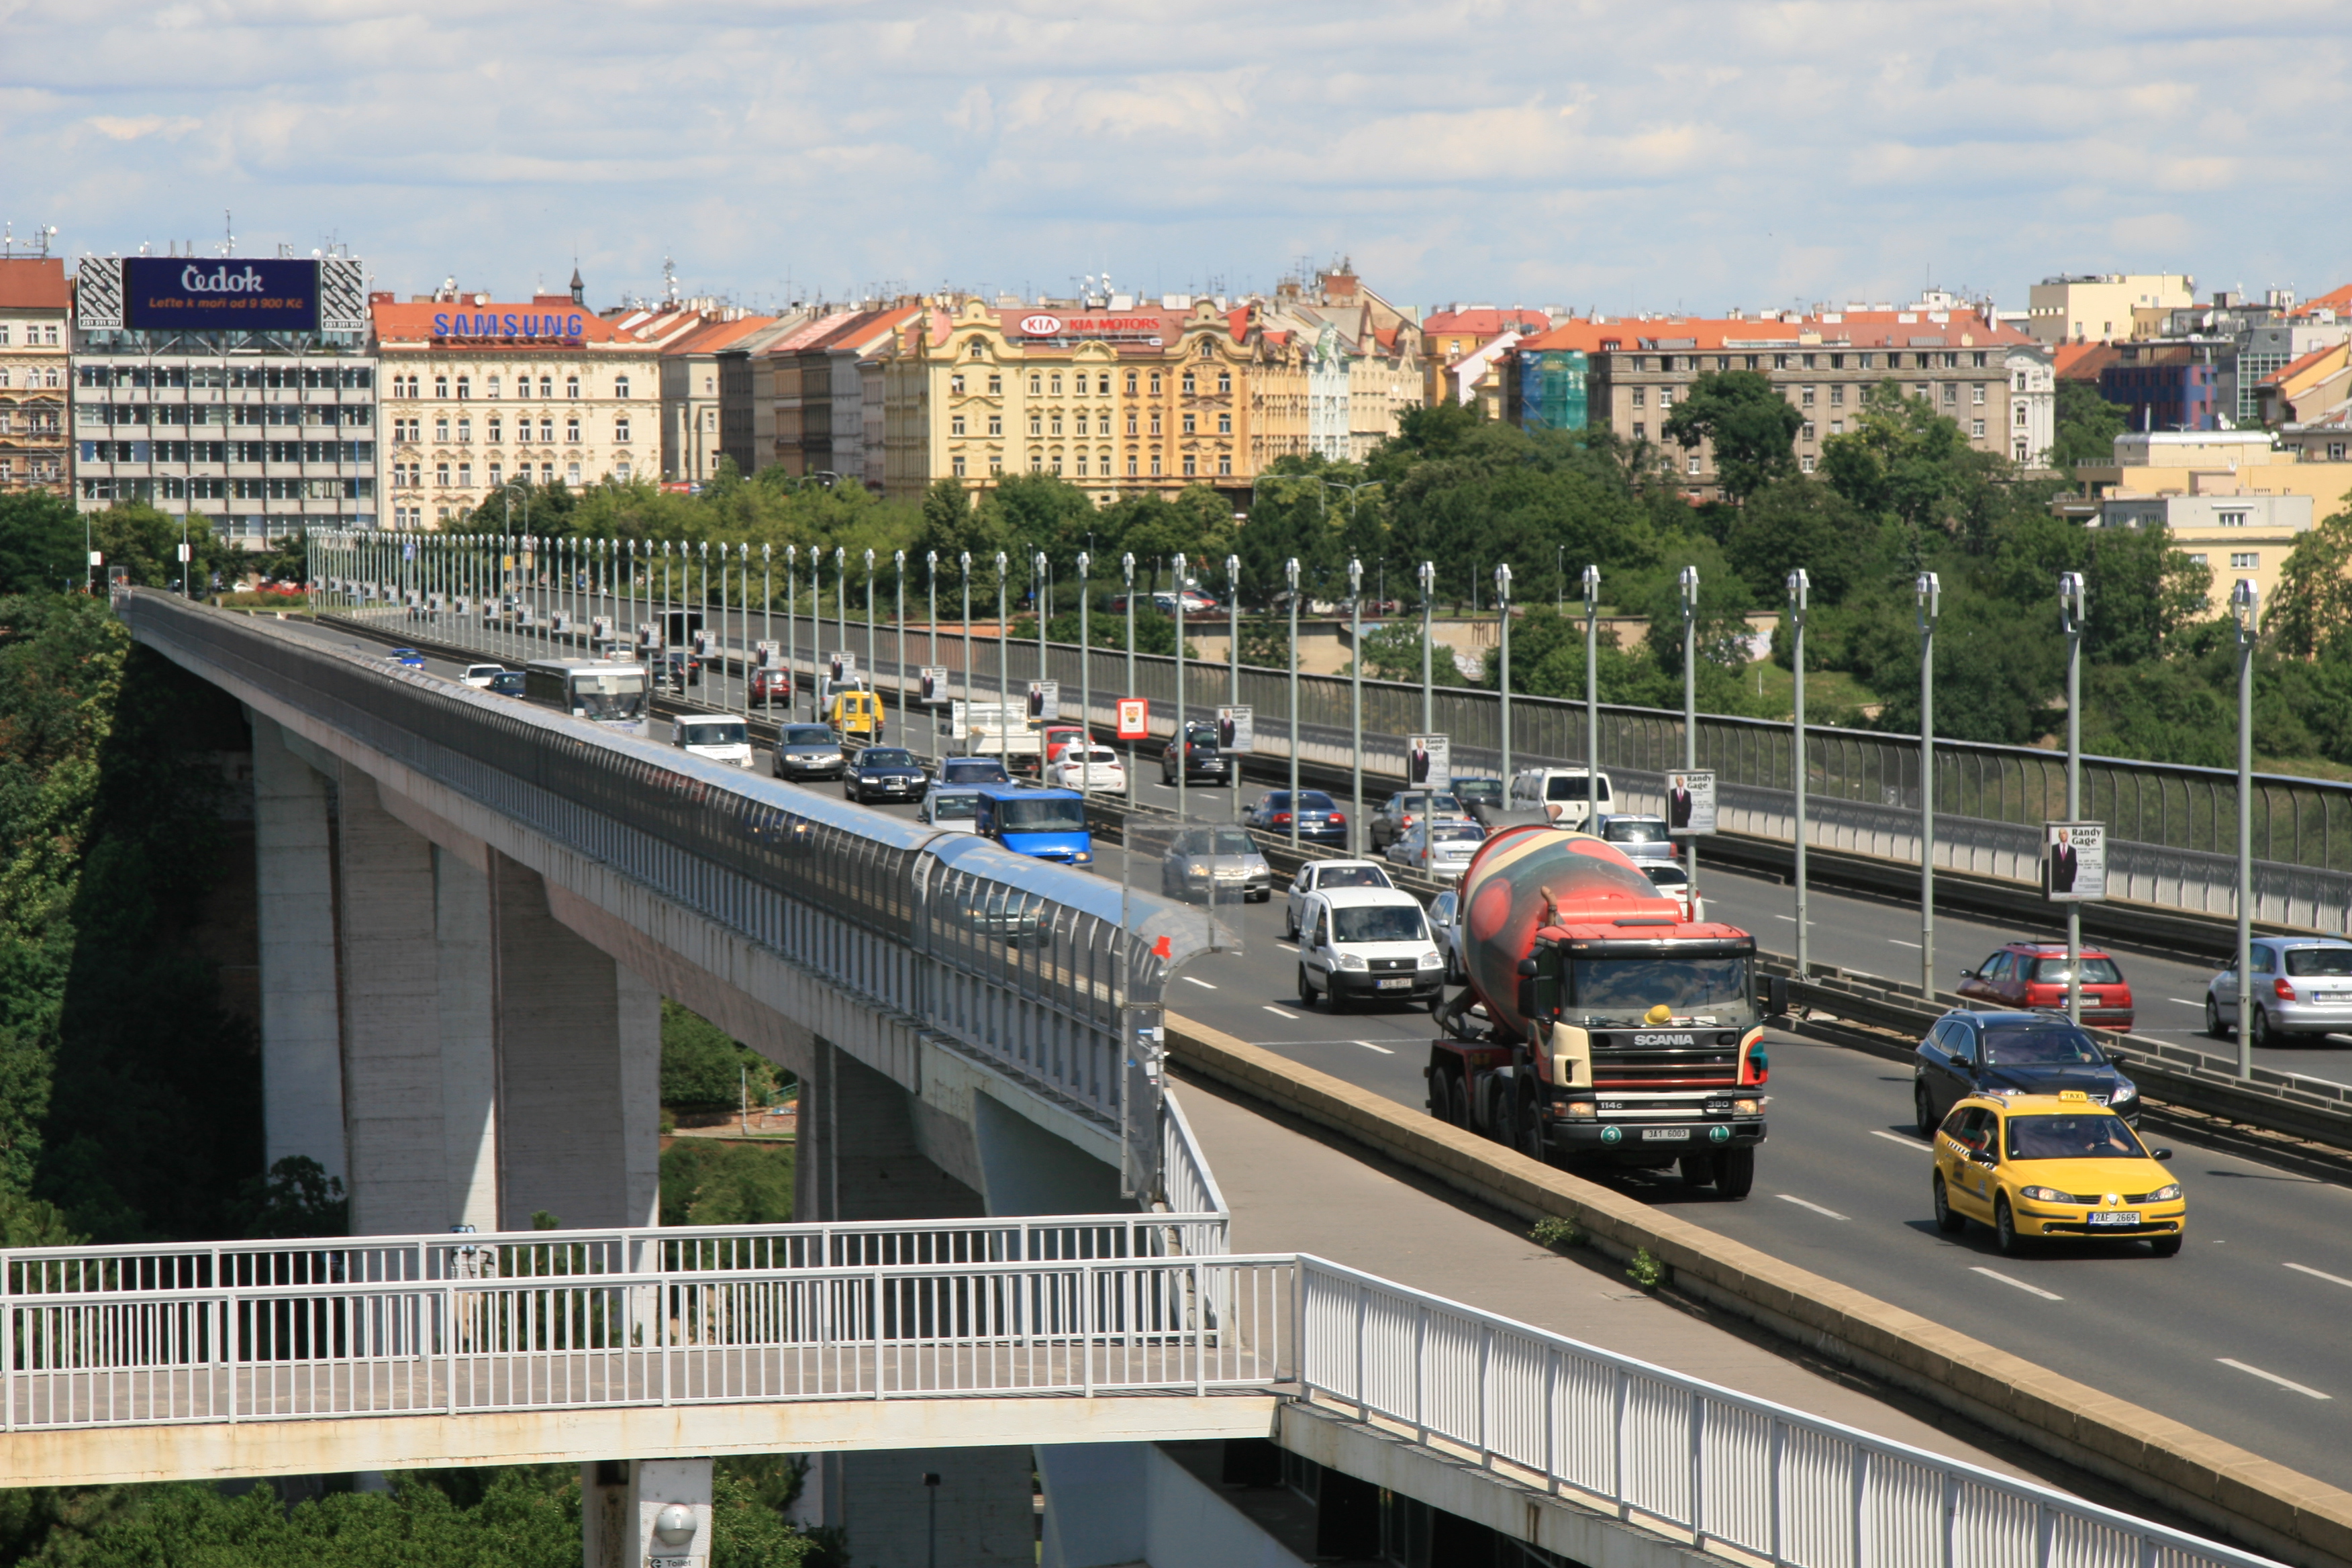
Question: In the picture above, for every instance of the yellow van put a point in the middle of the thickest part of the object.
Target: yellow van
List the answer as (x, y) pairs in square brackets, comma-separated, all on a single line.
[(856, 716)]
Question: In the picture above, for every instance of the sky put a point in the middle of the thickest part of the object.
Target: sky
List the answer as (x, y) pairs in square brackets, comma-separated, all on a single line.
[(1669, 155)]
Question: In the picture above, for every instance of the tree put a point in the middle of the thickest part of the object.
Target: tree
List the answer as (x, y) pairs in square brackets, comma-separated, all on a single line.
[(1720, 632), (1800, 521), (2086, 425), (1753, 426), (40, 544), (1902, 459), (1392, 652), (2312, 607), (702, 1067)]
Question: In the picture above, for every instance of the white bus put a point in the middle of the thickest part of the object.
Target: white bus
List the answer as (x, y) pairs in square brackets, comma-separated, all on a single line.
[(603, 693)]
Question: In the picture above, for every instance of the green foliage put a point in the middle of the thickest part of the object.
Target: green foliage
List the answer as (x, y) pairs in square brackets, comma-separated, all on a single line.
[(702, 1067), (2312, 607), (1901, 458), (712, 1181), (2086, 425), (1719, 629), (40, 544), (1753, 426), (1803, 522), (1647, 1270), (1392, 652), (296, 1198), (1557, 1231)]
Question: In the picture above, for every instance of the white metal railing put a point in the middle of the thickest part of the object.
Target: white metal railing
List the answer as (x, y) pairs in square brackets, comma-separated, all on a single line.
[(1733, 1472)]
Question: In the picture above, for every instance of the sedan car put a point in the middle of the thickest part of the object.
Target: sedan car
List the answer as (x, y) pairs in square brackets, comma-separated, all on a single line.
[(479, 675), (1220, 862), (1672, 879), (1100, 768), (1640, 838), (1320, 818), (2052, 1165), (1407, 806), (1324, 877), (1997, 1054), (2034, 974), (807, 751), (1202, 758), (1439, 849), (884, 773), (2302, 986), (973, 770), (408, 657), (1478, 792), (506, 683)]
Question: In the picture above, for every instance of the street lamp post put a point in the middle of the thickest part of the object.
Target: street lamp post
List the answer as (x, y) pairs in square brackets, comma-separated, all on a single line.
[(1428, 576), (1931, 603), (968, 699), (872, 670), (1799, 590), (1591, 689), (899, 645), (2245, 606), (1126, 568), (2072, 609), (1689, 583), (1003, 670), (791, 633), (1233, 659), (1037, 588), (1086, 681), (1183, 751), (840, 598), (931, 637), (1502, 683), (768, 616), (1356, 695), (1290, 577)]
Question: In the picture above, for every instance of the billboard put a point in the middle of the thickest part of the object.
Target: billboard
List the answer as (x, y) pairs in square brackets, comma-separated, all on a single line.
[(1134, 718), (1428, 759), (174, 293), (2074, 860), (1044, 699), (935, 683), (1690, 803), (1236, 730)]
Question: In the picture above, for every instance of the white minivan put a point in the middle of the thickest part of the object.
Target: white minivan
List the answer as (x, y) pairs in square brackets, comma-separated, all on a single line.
[(1370, 944), (1564, 795), (717, 736)]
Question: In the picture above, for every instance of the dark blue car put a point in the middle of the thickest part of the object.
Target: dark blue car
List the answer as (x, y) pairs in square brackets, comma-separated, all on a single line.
[(408, 657), (1320, 820), (885, 772), (2012, 1053)]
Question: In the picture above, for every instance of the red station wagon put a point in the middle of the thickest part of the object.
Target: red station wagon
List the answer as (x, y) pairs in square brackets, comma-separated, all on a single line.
[(2034, 974)]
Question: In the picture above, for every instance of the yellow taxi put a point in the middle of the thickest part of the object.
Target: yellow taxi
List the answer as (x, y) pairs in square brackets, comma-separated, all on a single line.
[(2053, 1165)]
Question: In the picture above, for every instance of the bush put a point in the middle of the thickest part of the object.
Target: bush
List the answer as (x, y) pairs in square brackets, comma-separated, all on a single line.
[(1557, 1231), (702, 1067), (1645, 1269), (712, 1181)]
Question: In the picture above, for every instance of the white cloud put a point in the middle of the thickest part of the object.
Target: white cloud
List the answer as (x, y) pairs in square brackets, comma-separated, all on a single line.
[(1686, 151)]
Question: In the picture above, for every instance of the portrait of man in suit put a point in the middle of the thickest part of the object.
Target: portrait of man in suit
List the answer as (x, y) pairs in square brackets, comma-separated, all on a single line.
[(1036, 702), (929, 691), (1417, 769), (1678, 804), (2065, 863), (1224, 732)]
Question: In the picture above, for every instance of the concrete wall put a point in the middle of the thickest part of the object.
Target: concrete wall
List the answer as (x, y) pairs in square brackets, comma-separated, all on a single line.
[(301, 1031)]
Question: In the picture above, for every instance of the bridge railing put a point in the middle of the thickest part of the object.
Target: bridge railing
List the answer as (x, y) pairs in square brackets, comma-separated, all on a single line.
[(1053, 974)]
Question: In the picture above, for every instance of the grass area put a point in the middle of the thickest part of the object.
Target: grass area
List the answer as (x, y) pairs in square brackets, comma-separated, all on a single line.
[(706, 1182), (1826, 690)]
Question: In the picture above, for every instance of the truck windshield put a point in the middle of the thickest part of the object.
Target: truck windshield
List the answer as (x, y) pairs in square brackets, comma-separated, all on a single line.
[(1043, 816), (953, 807), (609, 697), (1621, 990), (1577, 788), (728, 734)]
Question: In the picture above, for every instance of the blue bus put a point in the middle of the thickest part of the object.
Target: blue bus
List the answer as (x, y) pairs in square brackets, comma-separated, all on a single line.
[(1050, 823)]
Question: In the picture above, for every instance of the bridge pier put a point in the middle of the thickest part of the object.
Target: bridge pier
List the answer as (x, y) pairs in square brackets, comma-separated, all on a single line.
[(301, 1026), (621, 1503)]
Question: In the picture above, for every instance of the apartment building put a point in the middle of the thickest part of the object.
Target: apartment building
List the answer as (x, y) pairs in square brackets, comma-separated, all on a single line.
[(2240, 536), (238, 393), (2103, 307), (35, 375), (692, 362)]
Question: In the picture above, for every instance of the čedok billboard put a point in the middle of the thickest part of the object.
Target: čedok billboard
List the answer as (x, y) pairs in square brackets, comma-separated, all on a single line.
[(178, 293)]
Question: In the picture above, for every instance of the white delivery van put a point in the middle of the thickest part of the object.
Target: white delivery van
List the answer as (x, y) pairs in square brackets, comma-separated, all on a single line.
[(717, 736), (1568, 795)]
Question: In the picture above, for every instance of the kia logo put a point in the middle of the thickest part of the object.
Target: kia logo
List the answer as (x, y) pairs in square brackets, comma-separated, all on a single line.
[(1042, 326)]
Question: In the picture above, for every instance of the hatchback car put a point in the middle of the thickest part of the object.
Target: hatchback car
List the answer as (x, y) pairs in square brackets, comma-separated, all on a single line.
[(2052, 1165), (884, 773), (1640, 838), (2034, 974), (1365, 944), (2302, 986), (772, 685), (1094, 768), (479, 675), (1324, 877), (1407, 806), (408, 657), (1202, 758), (1320, 818), (807, 751), (951, 808), (1998, 1054), (1439, 850), (1445, 923), (1222, 862), (506, 683)]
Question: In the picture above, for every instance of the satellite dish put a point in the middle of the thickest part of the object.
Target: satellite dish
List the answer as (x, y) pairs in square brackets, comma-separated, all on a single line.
[(481, 298)]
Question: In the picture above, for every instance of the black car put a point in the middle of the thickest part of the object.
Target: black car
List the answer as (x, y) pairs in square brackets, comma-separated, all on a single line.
[(1203, 759), (807, 751), (1320, 820), (2022, 1053), (973, 770), (1478, 792), (884, 773), (505, 683)]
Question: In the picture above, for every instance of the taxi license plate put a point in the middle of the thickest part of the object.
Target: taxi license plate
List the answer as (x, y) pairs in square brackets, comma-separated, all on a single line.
[(1666, 1134), (2116, 1216), (1396, 985)]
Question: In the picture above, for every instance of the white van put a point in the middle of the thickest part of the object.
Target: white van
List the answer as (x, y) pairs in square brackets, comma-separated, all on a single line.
[(1366, 943), (1564, 795), (717, 736)]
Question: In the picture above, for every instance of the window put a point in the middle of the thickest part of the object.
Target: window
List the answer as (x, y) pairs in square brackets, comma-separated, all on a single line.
[(1082, 464), (1868, 360), (465, 429), (1036, 425), (1130, 383), (1976, 429), (547, 387), (571, 473), (955, 426), (1224, 463), (1131, 465), (465, 387), (1979, 360), (621, 429), (1081, 421), (2195, 558), (495, 430), (547, 426), (466, 476), (1225, 423), (621, 389), (1037, 386), (1666, 397), (996, 387), (1806, 430), (1190, 467), (441, 429), (1837, 427), (498, 475), (996, 424), (1977, 394), (1224, 381), (1057, 386), (1155, 390), (2230, 519), (2335, 451), (2245, 560), (1640, 398), (1641, 431), (441, 475), (1951, 391), (1155, 422), (1191, 426), (1693, 464), (493, 391), (1155, 465), (976, 350), (572, 429), (1131, 421), (572, 388), (2017, 417), (955, 383), (547, 473), (1190, 383), (1805, 396), (1805, 463), (1036, 462), (440, 386), (1057, 423), (3, 335), (1208, 349)]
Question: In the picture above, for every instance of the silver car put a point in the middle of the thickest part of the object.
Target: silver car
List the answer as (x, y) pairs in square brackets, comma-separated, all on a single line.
[(2302, 985), (951, 808), (1222, 861), (808, 751), (1638, 837), (1445, 925)]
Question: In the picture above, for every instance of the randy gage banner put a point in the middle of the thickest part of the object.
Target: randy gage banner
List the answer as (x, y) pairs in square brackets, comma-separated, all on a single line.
[(1690, 803), (2074, 860), (1234, 729), (176, 293), (1428, 759)]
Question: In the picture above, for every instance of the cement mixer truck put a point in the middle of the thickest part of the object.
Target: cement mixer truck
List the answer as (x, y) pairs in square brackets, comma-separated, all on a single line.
[(1599, 1025)]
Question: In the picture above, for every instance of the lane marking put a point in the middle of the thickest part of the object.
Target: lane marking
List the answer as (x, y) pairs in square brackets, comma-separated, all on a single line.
[(1287, 946), (1285, 1012), (2018, 1284), (2273, 1377), (1900, 942), (1201, 983), (2184, 1001), (1790, 919), (1792, 1198), (1369, 1046), (1898, 1138), (2316, 1274)]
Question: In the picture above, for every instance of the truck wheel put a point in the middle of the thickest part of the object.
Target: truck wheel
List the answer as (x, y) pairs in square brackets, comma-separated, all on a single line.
[(1442, 1089), (1698, 1170), (1735, 1172), (1531, 1140)]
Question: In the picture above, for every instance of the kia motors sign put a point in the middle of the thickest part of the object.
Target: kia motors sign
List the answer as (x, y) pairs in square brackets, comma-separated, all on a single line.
[(1148, 329), (1042, 326), (173, 293)]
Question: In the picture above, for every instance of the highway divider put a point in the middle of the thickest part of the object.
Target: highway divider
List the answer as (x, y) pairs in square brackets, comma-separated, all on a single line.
[(2249, 1500)]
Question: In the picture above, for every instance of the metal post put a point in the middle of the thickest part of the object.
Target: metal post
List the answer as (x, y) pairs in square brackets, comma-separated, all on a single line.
[(1290, 575), (967, 652), (1800, 587), (1592, 689), (1234, 656), (792, 627), (1003, 671), (1356, 701), (841, 599), (768, 618), (931, 637), (898, 642), (1428, 574), (1085, 682), (872, 670), (1037, 596), (1690, 720), (1930, 595), (2071, 609), (2245, 610), (1503, 678), (1127, 569), (702, 610), (1183, 751)]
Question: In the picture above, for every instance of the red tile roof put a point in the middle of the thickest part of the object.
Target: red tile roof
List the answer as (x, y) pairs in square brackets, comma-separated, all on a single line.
[(1835, 330), (712, 336), (33, 283), (2336, 299), (1484, 322)]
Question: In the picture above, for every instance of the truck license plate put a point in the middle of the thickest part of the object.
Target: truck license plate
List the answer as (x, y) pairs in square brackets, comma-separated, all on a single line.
[(1666, 1134), (2116, 1216), (1396, 984)]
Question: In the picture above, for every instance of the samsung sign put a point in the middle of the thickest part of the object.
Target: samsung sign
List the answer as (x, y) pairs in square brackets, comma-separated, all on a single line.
[(177, 294), (568, 325)]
